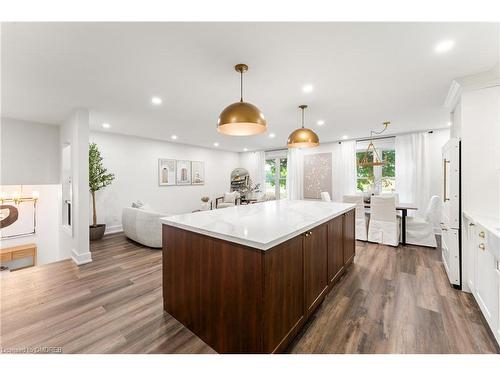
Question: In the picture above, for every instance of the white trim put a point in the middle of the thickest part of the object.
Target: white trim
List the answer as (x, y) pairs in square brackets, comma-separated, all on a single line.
[(80, 259), (478, 81), (113, 229)]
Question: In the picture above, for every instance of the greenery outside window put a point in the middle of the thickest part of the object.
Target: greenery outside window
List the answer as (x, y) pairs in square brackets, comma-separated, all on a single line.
[(377, 178), (276, 172)]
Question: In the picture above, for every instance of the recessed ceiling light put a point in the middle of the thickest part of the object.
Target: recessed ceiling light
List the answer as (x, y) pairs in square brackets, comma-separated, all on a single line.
[(173, 136), (345, 137), (444, 46), (245, 149), (272, 135), (449, 123), (321, 122), (216, 144), (105, 125), (307, 88), (156, 100)]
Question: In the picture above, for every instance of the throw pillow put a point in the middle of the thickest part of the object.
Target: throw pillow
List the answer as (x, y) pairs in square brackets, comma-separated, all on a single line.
[(230, 197)]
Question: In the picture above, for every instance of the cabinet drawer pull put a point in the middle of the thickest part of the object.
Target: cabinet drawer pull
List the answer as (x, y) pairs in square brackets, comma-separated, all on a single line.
[(481, 234), (481, 246), (306, 234)]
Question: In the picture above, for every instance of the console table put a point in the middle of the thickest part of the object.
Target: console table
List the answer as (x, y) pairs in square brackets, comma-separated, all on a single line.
[(19, 252)]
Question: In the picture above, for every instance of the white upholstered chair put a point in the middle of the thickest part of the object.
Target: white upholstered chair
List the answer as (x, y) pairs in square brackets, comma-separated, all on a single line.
[(228, 200), (325, 196), (389, 195), (384, 227), (361, 233), (420, 231)]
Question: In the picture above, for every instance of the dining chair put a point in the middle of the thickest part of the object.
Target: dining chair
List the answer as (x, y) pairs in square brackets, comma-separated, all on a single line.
[(383, 228), (361, 226), (420, 231), (325, 196), (389, 195)]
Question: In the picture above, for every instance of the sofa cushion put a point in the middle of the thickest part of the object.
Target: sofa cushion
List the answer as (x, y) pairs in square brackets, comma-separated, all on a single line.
[(229, 197)]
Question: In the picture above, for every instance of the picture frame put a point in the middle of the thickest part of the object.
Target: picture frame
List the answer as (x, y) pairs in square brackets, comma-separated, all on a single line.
[(197, 173), (183, 172), (167, 172)]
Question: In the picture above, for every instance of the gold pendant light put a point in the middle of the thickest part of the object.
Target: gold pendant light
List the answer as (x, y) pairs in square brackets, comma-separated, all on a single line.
[(376, 160), (241, 118), (303, 137)]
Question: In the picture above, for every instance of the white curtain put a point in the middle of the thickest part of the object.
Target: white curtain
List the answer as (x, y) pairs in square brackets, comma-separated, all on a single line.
[(413, 170), (295, 174), (255, 162), (343, 170)]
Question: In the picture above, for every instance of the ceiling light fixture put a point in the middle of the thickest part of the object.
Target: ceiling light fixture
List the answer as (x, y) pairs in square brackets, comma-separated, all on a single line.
[(308, 88), (444, 46), (216, 144), (321, 122), (156, 100), (449, 123), (105, 125), (372, 157), (245, 149), (272, 135), (173, 136), (345, 137), (303, 137), (241, 118)]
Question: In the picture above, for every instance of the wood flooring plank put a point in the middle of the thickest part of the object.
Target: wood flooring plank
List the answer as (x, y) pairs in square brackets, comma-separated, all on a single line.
[(391, 300)]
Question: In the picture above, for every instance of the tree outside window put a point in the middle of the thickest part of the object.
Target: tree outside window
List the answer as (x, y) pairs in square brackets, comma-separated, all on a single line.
[(382, 178)]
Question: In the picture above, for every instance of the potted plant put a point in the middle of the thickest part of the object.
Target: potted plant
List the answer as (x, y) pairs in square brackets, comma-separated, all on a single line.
[(99, 178)]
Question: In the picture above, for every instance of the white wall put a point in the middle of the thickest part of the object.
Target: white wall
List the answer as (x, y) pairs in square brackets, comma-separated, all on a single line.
[(75, 131), (29, 153), (48, 213), (134, 161)]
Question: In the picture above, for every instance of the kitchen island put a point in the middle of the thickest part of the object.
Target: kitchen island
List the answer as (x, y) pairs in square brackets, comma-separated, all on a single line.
[(246, 278)]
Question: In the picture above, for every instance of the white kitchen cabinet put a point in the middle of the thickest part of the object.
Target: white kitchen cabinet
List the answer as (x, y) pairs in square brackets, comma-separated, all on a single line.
[(484, 280)]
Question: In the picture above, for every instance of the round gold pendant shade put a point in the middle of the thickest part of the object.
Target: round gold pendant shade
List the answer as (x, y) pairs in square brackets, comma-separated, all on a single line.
[(303, 137), (241, 118)]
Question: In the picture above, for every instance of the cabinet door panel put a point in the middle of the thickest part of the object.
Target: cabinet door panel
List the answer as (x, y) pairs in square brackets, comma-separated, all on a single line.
[(316, 269), (335, 248), (349, 236), (283, 292)]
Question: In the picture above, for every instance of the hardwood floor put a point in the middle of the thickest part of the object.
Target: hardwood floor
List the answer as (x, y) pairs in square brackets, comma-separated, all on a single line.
[(392, 300)]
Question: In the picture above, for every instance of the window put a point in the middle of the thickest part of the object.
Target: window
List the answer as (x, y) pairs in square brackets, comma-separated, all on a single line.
[(377, 178), (276, 171)]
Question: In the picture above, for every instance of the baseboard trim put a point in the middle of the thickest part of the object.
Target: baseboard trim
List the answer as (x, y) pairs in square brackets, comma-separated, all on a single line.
[(80, 259), (113, 229)]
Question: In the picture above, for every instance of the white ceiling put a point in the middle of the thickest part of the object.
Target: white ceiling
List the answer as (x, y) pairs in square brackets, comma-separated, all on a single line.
[(363, 74)]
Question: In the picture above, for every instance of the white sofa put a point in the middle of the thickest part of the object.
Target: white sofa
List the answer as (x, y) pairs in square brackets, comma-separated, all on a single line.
[(142, 226)]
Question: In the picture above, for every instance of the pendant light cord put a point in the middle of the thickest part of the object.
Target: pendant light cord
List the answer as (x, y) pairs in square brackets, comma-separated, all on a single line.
[(241, 86), (302, 118)]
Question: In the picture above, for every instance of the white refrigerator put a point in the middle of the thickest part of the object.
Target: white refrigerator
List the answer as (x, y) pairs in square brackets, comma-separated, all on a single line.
[(451, 243)]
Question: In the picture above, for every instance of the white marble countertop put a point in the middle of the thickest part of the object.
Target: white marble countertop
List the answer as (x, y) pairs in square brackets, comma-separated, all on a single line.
[(489, 223), (261, 225)]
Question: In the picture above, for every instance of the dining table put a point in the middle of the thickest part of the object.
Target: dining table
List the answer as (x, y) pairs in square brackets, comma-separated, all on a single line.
[(403, 207)]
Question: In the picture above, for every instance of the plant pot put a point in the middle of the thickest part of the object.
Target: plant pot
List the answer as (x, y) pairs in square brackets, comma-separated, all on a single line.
[(97, 232)]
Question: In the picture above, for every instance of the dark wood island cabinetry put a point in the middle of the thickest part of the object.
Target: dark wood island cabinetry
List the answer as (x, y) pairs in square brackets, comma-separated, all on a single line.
[(241, 299)]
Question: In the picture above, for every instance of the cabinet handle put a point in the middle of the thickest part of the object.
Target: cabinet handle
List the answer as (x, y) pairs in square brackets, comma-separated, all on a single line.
[(310, 233), (471, 224), (481, 246), (481, 234), (306, 234)]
